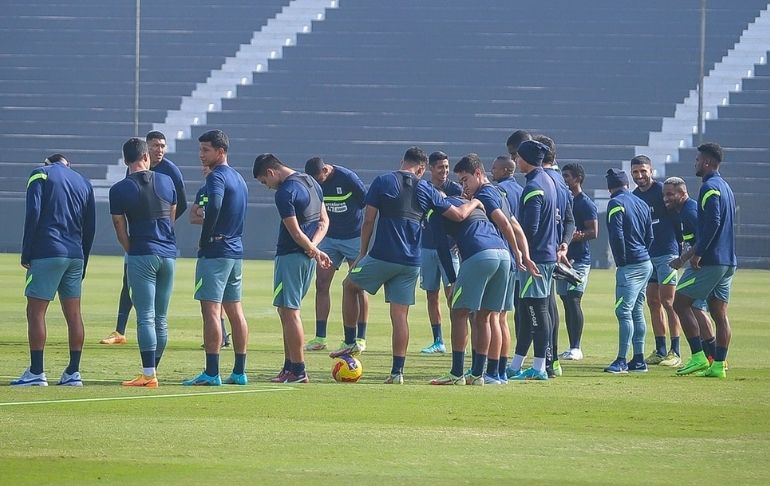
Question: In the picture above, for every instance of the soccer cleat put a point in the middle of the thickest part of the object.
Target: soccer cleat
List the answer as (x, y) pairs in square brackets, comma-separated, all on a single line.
[(716, 370), (636, 367), (491, 380), (290, 378), (30, 379), (449, 379), (316, 344), (397, 379), (672, 359), (574, 354), (279, 377), (503, 379), (114, 338), (557, 371), (695, 364), (351, 349), (617, 367), (654, 358), (143, 381), (436, 348), (203, 380), (510, 373), (236, 379), (475, 380), (530, 374), (70, 380), (361, 344)]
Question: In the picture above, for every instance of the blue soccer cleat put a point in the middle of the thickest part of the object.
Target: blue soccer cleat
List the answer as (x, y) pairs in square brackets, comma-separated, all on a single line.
[(236, 379), (530, 374), (203, 380)]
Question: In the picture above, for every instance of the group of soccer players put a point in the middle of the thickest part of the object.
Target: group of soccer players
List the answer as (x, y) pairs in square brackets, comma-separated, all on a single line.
[(493, 248)]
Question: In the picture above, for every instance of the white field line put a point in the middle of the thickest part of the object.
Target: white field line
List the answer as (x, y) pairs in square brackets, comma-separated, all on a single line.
[(144, 397)]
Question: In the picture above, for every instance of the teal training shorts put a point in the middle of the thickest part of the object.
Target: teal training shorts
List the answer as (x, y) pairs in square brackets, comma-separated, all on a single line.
[(47, 276), (218, 279), (399, 280), (292, 275)]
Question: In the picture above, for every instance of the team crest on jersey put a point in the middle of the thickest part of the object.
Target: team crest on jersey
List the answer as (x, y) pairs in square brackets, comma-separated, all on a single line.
[(339, 190)]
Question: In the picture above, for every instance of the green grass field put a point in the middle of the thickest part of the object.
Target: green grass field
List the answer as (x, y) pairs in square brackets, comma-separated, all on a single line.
[(585, 427)]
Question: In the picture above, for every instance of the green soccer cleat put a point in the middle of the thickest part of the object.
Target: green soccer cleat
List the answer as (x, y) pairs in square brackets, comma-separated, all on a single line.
[(449, 379), (352, 349), (316, 344), (557, 371), (361, 344), (716, 370), (697, 362), (397, 379)]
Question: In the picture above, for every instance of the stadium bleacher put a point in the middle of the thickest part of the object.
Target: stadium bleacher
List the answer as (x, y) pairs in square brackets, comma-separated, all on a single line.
[(376, 77)]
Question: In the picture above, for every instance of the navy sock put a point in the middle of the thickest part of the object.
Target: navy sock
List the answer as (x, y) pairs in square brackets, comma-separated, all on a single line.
[(492, 365), (675, 345), (286, 365), (398, 365), (710, 347), (473, 357), (436, 328), (502, 365), (36, 362), (240, 363), (622, 359), (148, 359), (361, 330), (320, 329), (695, 346), (478, 364), (212, 364), (298, 368), (350, 335), (122, 323), (458, 358), (74, 364), (660, 345), (720, 354)]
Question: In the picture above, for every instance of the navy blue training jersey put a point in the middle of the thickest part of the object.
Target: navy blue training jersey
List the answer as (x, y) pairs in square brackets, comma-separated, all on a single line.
[(450, 188), (398, 239), (688, 217), (147, 235), (663, 225), (538, 216), (584, 210), (512, 190), (473, 235), (291, 199), (629, 228), (715, 238), (221, 235), (60, 218), (343, 195)]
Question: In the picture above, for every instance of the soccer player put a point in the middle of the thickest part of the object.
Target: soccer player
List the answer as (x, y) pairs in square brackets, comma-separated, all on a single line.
[(579, 255), (197, 215), (432, 273), (565, 228), (479, 287), (538, 221), (158, 163), (304, 222), (712, 265), (344, 195), (664, 249), (59, 228), (142, 207), (629, 229), (677, 199), (401, 200), (218, 272), (470, 171)]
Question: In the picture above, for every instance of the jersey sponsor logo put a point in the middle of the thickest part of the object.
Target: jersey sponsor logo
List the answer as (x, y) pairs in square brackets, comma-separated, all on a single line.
[(336, 207)]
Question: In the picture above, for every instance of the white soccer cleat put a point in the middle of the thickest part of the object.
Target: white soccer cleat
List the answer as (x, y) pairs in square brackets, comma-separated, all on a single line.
[(70, 380), (574, 354)]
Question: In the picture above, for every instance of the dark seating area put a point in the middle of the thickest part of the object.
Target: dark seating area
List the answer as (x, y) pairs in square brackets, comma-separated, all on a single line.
[(66, 71), (376, 77)]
